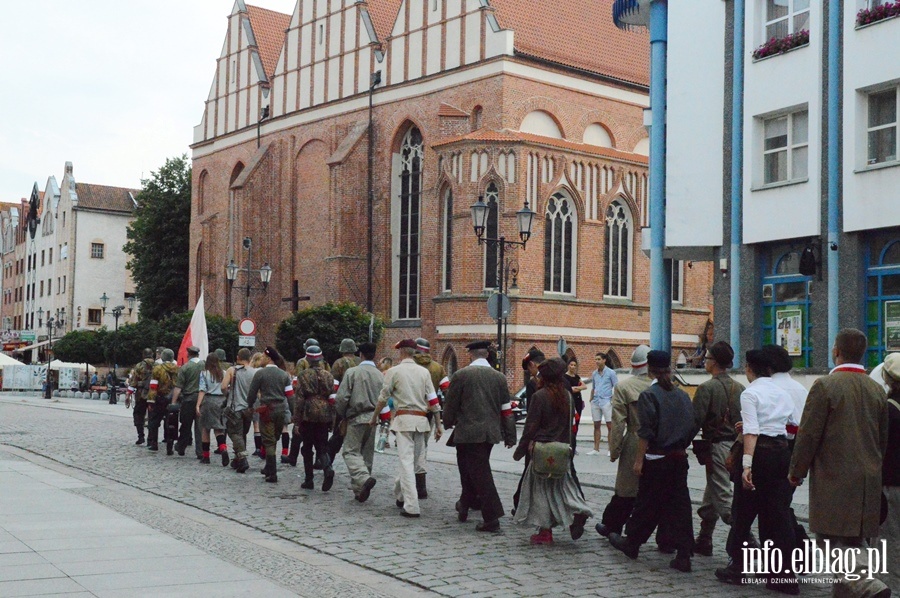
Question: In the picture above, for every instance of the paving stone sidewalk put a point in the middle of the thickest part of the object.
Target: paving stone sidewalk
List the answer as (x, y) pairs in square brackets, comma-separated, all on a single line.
[(433, 553)]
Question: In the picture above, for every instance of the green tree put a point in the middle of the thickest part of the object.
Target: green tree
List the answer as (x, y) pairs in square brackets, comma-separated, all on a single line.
[(328, 324), (81, 346), (221, 331), (127, 344), (159, 239)]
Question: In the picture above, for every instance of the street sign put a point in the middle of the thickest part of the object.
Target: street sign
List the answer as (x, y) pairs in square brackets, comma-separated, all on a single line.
[(497, 301), (246, 341), (247, 327)]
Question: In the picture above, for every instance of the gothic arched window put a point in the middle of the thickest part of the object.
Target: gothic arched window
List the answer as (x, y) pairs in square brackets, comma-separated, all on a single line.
[(559, 244), (618, 250), (411, 154), (492, 231)]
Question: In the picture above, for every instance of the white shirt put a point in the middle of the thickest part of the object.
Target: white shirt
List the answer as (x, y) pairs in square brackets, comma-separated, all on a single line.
[(481, 362), (798, 394), (766, 408)]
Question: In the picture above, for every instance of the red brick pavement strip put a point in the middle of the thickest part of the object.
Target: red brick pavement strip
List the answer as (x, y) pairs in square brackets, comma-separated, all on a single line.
[(432, 551)]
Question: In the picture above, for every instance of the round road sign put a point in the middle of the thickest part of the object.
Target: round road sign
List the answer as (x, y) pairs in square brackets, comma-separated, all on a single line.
[(247, 327)]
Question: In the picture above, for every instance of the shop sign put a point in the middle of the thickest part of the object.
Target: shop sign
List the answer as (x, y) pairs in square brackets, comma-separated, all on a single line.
[(789, 330)]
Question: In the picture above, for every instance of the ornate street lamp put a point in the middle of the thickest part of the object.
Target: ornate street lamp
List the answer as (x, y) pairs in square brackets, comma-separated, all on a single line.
[(232, 270), (524, 221)]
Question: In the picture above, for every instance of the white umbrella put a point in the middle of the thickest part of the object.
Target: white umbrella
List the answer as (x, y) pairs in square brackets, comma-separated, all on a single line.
[(57, 364), (7, 360)]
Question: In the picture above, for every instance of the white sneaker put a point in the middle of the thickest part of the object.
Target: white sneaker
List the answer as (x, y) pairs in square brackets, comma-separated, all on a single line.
[(593, 452)]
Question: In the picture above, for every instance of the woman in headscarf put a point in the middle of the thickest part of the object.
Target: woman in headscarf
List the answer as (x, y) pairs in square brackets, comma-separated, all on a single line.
[(547, 502)]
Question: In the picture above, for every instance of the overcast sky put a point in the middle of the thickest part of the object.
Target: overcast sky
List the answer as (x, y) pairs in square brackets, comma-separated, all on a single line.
[(113, 86)]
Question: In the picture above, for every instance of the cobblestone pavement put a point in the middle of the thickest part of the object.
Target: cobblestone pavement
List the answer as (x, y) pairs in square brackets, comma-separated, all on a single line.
[(434, 553)]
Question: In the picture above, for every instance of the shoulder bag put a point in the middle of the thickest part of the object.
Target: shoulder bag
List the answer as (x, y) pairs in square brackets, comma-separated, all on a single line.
[(551, 459)]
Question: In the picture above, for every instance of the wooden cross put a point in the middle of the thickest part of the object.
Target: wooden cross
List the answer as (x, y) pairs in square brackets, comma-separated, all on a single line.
[(295, 297)]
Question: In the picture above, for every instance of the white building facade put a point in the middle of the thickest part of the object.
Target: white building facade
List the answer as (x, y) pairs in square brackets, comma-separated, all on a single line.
[(76, 256), (784, 179)]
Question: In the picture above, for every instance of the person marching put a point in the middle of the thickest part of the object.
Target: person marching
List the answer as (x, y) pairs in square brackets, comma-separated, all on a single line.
[(314, 417), (355, 404), (159, 394), (548, 500), (347, 360), (440, 382), (141, 375), (717, 408), (271, 385), (211, 408), (663, 499), (187, 387), (530, 365), (623, 443), (238, 415), (410, 387), (477, 407)]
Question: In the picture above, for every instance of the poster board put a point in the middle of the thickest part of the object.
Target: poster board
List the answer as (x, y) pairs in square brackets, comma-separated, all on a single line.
[(69, 377), (789, 330), (891, 326), (23, 377)]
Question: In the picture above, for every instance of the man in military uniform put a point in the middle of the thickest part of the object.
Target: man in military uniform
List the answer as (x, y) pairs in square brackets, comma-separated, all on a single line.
[(314, 417), (187, 387), (717, 408), (347, 360), (441, 382), (162, 382), (303, 363), (623, 443), (141, 375)]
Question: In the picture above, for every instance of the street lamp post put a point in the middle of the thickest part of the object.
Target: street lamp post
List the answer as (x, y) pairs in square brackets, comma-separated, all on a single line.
[(57, 322), (524, 220), (116, 313), (232, 269)]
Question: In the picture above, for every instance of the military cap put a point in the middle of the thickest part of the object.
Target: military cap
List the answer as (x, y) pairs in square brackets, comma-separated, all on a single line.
[(474, 346)]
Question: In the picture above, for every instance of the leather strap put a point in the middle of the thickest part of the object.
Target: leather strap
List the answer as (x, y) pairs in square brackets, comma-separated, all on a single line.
[(411, 412)]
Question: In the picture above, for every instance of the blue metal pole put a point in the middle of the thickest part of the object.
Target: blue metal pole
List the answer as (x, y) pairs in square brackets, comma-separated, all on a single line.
[(834, 66), (737, 178), (660, 295)]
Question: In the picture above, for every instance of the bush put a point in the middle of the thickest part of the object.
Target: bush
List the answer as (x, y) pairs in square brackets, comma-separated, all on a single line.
[(81, 346), (329, 324)]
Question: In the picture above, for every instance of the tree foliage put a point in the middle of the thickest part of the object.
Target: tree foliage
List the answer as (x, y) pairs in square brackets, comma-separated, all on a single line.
[(80, 346), (159, 240), (328, 324), (127, 344)]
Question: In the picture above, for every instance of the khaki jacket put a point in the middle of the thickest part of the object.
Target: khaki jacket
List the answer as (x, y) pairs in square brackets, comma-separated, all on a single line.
[(842, 437), (623, 440)]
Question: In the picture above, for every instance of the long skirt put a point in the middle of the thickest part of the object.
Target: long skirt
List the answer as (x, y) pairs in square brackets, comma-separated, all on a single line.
[(547, 503)]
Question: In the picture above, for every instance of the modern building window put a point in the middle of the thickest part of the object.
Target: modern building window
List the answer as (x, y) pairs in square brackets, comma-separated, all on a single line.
[(677, 281), (95, 317), (50, 255), (448, 239), (559, 244), (42, 288), (786, 148), (411, 155), (784, 17), (787, 304), (97, 250), (42, 257), (882, 127), (64, 284), (619, 231), (492, 231)]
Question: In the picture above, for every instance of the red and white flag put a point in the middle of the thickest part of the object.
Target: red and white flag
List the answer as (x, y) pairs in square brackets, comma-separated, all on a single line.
[(196, 333)]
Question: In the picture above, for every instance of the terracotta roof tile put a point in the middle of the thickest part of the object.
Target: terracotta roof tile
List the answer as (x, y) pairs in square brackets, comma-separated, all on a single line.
[(102, 197), (485, 135), (577, 34), (448, 110), (268, 28), (384, 14)]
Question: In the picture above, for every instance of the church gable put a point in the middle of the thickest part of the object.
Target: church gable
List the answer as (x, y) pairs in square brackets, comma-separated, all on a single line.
[(244, 70), (438, 35), (331, 49)]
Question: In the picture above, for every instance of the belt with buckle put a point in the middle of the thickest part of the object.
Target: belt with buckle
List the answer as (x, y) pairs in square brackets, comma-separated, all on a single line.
[(411, 412)]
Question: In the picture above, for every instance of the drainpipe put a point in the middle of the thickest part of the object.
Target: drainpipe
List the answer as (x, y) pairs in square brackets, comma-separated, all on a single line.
[(737, 179), (833, 165), (660, 295)]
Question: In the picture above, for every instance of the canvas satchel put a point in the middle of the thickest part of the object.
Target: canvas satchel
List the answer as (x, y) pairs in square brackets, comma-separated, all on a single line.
[(551, 459)]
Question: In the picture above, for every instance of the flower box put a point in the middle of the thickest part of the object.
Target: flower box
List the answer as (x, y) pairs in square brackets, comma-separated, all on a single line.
[(867, 16), (781, 45)]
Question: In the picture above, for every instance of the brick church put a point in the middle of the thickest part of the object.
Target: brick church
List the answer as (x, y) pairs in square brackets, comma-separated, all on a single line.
[(518, 101)]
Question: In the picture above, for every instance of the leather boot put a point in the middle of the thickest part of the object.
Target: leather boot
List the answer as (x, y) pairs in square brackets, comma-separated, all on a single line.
[(421, 490), (242, 465), (272, 476), (295, 450), (269, 467), (140, 432)]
